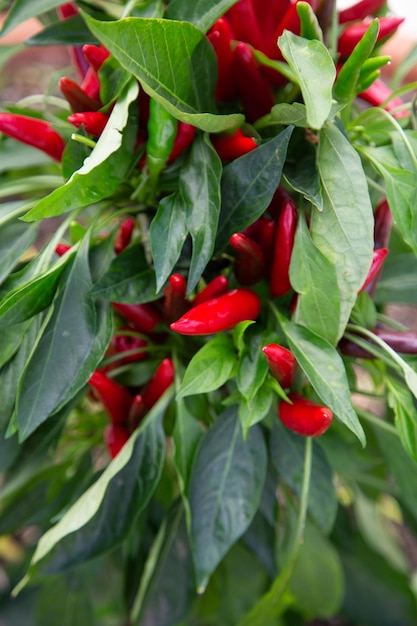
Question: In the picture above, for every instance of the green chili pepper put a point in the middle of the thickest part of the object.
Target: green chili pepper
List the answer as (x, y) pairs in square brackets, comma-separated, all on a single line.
[(162, 130), (345, 87)]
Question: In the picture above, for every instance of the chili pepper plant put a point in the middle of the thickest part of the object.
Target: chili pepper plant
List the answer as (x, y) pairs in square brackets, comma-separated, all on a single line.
[(208, 404)]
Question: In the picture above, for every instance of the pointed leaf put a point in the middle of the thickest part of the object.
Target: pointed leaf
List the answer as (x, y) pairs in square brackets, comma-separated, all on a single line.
[(15, 239), (201, 13), (22, 10)]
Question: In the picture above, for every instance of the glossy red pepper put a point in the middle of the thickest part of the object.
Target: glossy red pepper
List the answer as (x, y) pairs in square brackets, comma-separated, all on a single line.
[(242, 18), (253, 88), (79, 101), (265, 238), (144, 317), (378, 93), (376, 266), (124, 235), (353, 33), (184, 138), (382, 224), (95, 55), (33, 132), (249, 266), (115, 398), (218, 314), (304, 417), (175, 303), (62, 248), (91, 84), (94, 122), (137, 411), (122, 343), (221, 37), (232, 146), (159, 383), (215, 288), (281, 363), (115, 437), (360, 10), (269, 14), (284, 243)]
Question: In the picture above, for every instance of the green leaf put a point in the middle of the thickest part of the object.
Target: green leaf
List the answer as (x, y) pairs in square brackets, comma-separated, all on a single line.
[(200, 190), (22, 10), (104, 515), (248, 184), (287, 455), (302, 176), (343, 231), (68, 32), (225, 491), (324, 368), (256, 409), (201, 13), (129, 278), (10, 340), (401, 401), (253, 366), (314, 278), (398, 282), (168, 232), (182, 76), (209, 368), (286, 114), (315, 72), (309, 24), (64, 351), (66, 596), (186, 435), (105, 168), (160, 599), (15, 239), (318, 579)]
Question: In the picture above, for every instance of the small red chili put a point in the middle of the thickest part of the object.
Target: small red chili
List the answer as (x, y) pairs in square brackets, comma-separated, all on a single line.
[(144, 317), (382, 224), (221, 37), (95, 55), (33, 132), (249, 266), (183, 139), (376, 266), (215, 288), (281, 363), (353, 33), (115, 398), (124, 235), (79, 101), (360, 10), (283, 247), (232, 146), (304, 417), (159, 383), (254, 90), (218, 314), (94, 122), (115, 437), (175, 303)]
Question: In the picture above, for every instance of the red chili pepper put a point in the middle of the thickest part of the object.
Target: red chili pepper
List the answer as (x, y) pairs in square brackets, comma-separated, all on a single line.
[(144, 317), (265, 238), (232, 146), (159, 383), (376, 95), (279, 200), (242, 19), (249, 266), (353, 33), (33, 132), (269, 14), (175, 302), (215, 288), (94, 122), (304, 417), (360, 10), (124, 235), (382, 224), (115, 437), (91, 84), (254, 91), (183, 139), (284, 243), (126, 343), (222, 313), (281, 363), (137, 411), (115, 398), (377, 261), (95, 55), (78, 100), (221, 37), (62, 248)]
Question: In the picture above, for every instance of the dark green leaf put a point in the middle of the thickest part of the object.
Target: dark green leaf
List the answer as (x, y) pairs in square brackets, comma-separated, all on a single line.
[(398, 282), (201, 13), (302, 176), (401, 401), (10, 340), (209, 368), (225, 491), (253, 366), (67, 596), (324, 368), (286, 114), (248, 184), (21, 10), (168, 233), (287, 455), (129, 278), (103, 516), (15, 239), (161, 600), (254, 410), (181, 76), (343, 231), (314, 278), (186, 435), (68, 32), (200, 191), (104, 169)]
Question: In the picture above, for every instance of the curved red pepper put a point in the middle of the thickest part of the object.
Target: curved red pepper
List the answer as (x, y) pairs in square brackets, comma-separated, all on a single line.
[(360, 10), (33, 132), (144, 317), (66, 11), (220, 37), (215, 288), (184, 138), (91, 84), (254, 90), (124, 235), (79, 101), (249, 266), (94, 122), (125, 343), (378, 93), (376, 265), (218, 314), (353, 33), (137, 411), (244, 23), (175, 302), (281, 363), (304, 417), (382, 224), (284, 243), (232, 146), (115, 437), (115, 398), (95, 55), (62, 248), (159, 383)]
